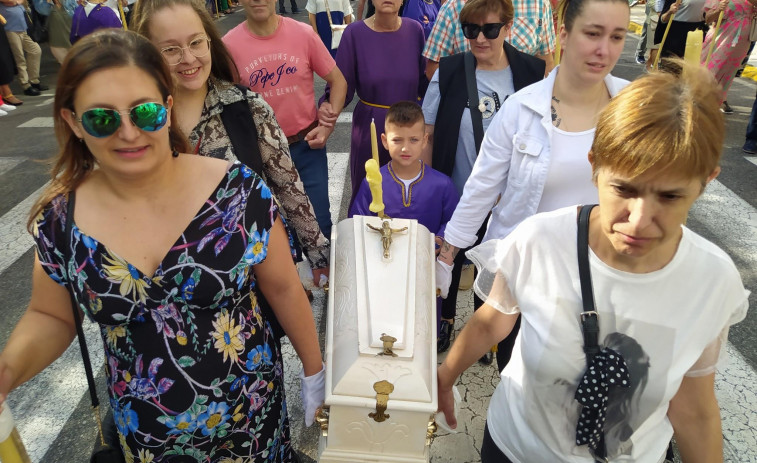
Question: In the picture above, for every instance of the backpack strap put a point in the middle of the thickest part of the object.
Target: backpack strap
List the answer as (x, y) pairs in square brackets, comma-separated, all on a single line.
[(240, 126), (475, 113)]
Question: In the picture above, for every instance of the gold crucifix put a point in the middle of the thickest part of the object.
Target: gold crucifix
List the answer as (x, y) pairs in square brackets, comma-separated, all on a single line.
[(386, 232)]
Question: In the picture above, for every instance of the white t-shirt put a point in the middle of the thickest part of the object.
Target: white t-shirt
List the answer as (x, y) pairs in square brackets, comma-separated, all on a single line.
[(666, 324), (319, 6), (569, 174)]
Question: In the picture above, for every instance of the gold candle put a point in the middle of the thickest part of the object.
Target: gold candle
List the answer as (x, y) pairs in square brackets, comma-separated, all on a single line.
[(373, 176), (374, 145), (693, 52)]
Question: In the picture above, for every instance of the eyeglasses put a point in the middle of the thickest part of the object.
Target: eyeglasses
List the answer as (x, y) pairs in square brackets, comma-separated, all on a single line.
[(198, 47), (490, 30), (102, 122)]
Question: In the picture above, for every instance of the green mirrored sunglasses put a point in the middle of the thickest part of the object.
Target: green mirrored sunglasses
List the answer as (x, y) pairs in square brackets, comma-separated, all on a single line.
[(103, 122)]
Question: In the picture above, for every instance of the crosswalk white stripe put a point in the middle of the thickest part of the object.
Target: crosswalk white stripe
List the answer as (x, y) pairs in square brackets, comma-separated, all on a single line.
[(43, 404), (7, 164), (37, 122), (46, 102), (14, 239)]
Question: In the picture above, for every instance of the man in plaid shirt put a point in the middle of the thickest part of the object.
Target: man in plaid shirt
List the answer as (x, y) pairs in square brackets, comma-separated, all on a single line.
[(531, 32)]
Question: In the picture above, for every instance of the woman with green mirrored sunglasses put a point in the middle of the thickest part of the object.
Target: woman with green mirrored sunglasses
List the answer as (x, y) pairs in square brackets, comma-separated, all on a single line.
[(169, 254)]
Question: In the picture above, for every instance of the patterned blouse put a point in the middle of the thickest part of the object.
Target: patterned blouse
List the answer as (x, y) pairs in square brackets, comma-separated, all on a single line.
[(209, 138)]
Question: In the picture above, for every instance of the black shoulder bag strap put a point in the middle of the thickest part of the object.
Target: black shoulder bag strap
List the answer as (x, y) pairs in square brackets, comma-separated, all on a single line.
[(239, 124), (106, 451), (475, 113), (589, 316), (75, 305)]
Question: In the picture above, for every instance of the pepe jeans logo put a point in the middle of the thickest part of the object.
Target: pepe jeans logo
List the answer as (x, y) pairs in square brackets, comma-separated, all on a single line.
[(265, 77), (273, 74)]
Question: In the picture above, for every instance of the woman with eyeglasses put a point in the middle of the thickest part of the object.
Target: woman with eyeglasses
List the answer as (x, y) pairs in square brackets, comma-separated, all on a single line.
[(534, 156), (500, 70), (215, 114), (167, 253)]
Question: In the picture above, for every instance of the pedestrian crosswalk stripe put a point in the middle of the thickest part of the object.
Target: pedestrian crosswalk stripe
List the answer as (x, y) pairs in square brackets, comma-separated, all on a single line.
[(345, 117), (752, 159), (7, 164), (14, 239), (46, 102), (38, 122)]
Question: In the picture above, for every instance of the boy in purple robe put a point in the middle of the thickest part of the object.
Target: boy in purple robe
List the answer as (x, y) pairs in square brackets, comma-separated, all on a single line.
[(411, 189)]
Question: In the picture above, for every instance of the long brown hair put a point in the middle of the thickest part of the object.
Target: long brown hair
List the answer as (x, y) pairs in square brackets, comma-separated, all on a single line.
[(104, 49), (222, 65)]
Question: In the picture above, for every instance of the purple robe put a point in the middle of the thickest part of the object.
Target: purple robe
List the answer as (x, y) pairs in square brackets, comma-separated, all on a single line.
[(382, 68), (432, 199), (101, 17)]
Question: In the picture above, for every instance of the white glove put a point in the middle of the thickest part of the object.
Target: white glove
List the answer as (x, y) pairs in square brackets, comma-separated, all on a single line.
[(443, 277), (313, 392)]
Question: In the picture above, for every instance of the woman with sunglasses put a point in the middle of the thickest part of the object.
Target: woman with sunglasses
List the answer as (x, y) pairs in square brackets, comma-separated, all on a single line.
[(500, 70), (206, 100), (534, 156), (380, 57), (168, 253)]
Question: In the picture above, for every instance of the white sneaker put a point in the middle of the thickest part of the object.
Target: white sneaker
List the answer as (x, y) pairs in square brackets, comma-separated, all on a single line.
[(3, 113), (7, 107)]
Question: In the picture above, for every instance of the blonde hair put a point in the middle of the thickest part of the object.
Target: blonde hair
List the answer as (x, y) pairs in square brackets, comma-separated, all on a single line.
[(662, 122), (103, 49)]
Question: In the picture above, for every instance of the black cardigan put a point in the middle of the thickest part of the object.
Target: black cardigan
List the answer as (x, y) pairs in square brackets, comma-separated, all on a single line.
[(453, 93)]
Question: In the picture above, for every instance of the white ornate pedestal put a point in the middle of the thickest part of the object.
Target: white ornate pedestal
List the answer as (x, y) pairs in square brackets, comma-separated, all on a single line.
[(371, 297)]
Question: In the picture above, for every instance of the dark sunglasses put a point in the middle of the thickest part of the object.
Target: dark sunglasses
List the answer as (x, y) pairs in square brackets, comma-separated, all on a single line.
[(490, 30), (102, 122)]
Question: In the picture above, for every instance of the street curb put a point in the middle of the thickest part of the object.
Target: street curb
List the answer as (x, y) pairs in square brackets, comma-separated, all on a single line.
[(750, 72)]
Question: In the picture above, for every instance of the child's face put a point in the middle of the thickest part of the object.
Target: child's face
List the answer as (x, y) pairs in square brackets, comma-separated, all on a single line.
[(405, 144)]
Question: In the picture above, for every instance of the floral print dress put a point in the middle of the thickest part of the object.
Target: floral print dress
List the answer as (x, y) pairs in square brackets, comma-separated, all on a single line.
[(193, 370), (731, 43)]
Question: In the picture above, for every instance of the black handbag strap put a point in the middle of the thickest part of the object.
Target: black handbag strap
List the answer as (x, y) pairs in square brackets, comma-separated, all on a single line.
[(77, 317), (240, 126), (589, 316), (475, 113)]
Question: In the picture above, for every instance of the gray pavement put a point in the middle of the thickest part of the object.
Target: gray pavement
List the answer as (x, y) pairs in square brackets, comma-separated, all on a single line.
[(52, 409)]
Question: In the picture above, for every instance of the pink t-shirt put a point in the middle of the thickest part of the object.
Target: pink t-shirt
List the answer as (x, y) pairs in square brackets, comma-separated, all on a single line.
[(280, 67)]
